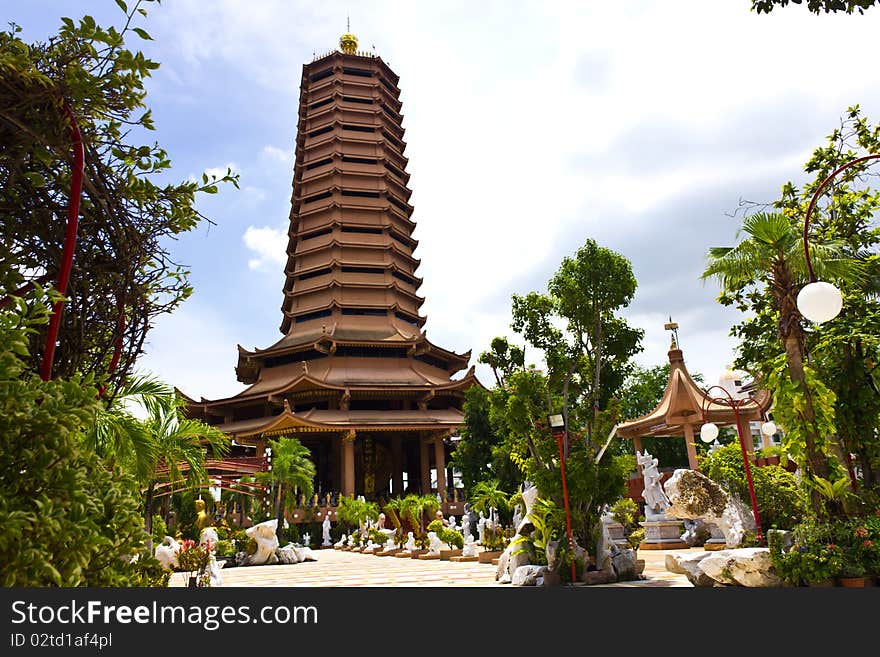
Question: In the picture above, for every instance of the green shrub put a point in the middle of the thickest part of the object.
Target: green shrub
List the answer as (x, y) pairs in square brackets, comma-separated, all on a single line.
[(780, 499), (452, 538), (160, 530)]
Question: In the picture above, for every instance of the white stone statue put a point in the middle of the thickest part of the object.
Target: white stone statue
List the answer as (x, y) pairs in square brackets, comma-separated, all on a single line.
[(451, 524), (370, 546), (209, 534), (410, 542), (166, 553), (465, 525), (470, 546), (656, 501), (439, 499), (307, 539), (380, 524), (481, 528), (390, 544), (434, 543), (267, 543), (325, 528), (341, 541), (351, 540)]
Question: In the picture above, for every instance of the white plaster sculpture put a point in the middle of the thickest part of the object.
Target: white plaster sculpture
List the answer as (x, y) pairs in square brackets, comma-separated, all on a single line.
[(307, 539), (351, 540), (410, 542), (465, 524), (209, 534), (481, 528), (370, 546), (470, 547), (439, 499), (214, 571), (656, 501), (451, 524), (325, 529), (434, 543), (267, 543), (341, 541), (390, 544), (166, 553)]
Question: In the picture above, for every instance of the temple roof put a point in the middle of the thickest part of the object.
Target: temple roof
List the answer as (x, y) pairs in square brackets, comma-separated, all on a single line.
[(684, 402)]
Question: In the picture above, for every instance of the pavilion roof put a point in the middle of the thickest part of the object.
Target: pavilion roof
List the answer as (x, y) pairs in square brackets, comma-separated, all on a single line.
[(684, 402)]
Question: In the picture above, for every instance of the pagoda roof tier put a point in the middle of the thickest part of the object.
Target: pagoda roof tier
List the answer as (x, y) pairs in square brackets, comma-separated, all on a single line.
[(382, 375), (685, 403), (319, 421)]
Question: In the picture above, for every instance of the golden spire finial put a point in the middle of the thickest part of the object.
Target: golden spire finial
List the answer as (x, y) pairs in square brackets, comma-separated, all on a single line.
[(348, 42), (672, 327)]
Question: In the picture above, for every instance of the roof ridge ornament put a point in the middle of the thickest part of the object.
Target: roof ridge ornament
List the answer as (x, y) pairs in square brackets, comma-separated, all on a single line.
[(672, 327)]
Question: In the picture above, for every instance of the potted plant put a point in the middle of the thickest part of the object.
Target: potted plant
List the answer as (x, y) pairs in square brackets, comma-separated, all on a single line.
[(195, 559)]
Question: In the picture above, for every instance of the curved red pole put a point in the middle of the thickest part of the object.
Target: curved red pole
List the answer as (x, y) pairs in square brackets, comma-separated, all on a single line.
[(76, 181), (815, 198)]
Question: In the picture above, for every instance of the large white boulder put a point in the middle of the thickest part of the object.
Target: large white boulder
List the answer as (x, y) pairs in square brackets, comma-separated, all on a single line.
[(267, 543), (689, 565), (744, 567), (693, 495)]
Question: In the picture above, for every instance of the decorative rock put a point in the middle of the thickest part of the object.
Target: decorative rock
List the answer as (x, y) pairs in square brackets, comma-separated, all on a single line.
[(551, 578), (208, 534), (527, 575), (624, 563), (689, 565), (292, 553), (593, 577), (749, 567), (693, 495), (267, 543), (552, 553)]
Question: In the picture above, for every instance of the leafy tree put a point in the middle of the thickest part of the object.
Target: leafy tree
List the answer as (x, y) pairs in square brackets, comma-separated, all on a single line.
[(487, 495), (479, 454), (816, 6), (503, 358), (68, 518), (292, 470), (123, 276), (771, 258)]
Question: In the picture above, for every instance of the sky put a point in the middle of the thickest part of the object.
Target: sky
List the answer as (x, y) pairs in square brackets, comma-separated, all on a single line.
[(531, 127)]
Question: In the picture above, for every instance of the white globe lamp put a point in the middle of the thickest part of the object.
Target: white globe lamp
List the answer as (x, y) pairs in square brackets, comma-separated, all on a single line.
[(708, 432), (819, 302), (768, 428)]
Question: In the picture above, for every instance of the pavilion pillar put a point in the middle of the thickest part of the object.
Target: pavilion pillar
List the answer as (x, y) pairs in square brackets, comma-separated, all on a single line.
[(746, 430), (693, 464), (348, 463), (440, 465), (396, 465), (766, 441), (261, 448), (637, 444), (425, 466)]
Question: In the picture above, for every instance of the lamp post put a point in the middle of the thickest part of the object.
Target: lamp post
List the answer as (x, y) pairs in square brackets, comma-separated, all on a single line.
[(709, 432), (557, 426), (819, 301)]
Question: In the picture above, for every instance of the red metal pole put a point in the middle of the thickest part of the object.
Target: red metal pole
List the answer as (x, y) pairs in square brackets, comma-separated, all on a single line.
[(567, 512), (742, 445), (69, 244)]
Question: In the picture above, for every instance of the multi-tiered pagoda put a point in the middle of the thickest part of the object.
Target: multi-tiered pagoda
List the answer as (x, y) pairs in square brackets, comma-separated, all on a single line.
[(354, 378)]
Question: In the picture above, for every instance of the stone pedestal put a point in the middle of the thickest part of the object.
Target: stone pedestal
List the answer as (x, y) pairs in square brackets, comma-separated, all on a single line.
[(716, 540), (663, 534), (617, 532)]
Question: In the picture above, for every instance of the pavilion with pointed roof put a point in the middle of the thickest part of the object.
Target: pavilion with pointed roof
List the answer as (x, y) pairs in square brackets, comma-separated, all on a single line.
[(685, 407), (354, 376)]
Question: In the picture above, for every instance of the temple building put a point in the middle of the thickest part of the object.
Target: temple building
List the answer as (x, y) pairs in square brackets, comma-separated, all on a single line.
[(354, 376)]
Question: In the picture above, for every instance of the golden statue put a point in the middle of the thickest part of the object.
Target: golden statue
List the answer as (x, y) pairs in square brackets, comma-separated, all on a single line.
[(202, 519), (348, 43)]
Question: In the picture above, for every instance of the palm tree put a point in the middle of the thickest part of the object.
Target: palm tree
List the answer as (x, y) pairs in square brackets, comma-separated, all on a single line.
[(487, 494), (292, 471), (772, 253)]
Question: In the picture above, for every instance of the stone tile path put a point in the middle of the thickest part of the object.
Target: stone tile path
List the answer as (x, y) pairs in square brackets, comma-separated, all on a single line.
[(336, 568)]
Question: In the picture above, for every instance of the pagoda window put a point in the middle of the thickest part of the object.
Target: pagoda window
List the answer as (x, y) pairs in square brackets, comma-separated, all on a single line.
[(368, 405), (359, 72), (317, 197), (370, 352), (361, 229), (352, 192), (400, 238), (359, 160), (400, 204), (372, 312), (363, 270), (394, 140), (319, 163), (387, 84), (310, 316), (320, 75), (432, 361), (317, 233), (321, 103), (313, 274), (407, 318), (357, 128), (403, 277), (298, 357), (393, 169), (321, 131), (355, 99)]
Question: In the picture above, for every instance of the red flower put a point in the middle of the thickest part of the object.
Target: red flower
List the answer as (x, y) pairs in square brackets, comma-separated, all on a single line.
[(868, 544), (861, 532), (831, 546)]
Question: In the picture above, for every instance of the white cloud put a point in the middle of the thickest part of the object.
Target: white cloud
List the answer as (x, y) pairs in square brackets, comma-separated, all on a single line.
[(219, 172), (279, 154), (270, 246)]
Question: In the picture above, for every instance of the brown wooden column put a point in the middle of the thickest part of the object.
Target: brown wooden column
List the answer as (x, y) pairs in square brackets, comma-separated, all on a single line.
[(396, 465), (691, 447), (440, 465), (348, 463), (637, 444), (425, 466), (747, 437)]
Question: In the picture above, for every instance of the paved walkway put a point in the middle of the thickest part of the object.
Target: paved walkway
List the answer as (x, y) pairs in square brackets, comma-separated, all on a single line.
[(337, 568)]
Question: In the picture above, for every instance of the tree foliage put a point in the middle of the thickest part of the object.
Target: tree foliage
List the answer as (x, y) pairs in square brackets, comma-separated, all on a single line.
[(292, 470), (816, 6), (129, 210)]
